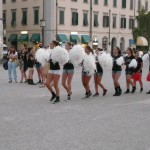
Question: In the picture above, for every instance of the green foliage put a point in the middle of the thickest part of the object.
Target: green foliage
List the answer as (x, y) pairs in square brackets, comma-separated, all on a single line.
[(143, 28)]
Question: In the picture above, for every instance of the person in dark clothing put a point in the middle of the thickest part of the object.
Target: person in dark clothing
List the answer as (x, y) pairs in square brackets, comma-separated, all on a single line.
[(129, 71), (68, 71), (22, 56), (138, 69), (98, 75), (31, 69), (116, 71), (54, 76)]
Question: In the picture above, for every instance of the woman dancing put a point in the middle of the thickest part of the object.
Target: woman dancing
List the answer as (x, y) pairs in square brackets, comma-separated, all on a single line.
[(116, 71), (86, 77), (53, 76), (138, 69), (129, 71), (68, 71), (98, 75)]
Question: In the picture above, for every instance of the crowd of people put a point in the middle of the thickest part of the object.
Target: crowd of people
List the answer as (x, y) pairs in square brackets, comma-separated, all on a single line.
[(49, 75)]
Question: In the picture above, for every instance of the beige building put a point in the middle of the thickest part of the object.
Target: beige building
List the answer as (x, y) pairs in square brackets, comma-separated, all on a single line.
[(22, 21), (86, 21)]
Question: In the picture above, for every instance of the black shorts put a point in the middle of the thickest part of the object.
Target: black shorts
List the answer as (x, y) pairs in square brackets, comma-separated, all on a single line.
[(129, 72)]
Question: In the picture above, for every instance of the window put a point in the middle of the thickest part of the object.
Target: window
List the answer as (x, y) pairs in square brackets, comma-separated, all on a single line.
[(131, 23), (13, 19), (131, 4), (123, 22), (114, 25), (85, 1), (62, 16), (146, 5), (139, 4), (74, 0), (105, 21), (123, 3), (4, 17), (36, 15), (85, 19), (24, 16), (96, 2), (96, 24), (114, 3), (105, 2), (13, 1), (74, 17), (4, 1)]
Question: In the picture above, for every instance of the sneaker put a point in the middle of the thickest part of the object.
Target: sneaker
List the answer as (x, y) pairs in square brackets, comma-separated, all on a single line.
[(53, 97), (104, 92), (148, 92), (10, 81), (133, 89), (56, 100), (141, 90), (96, 94), (127, 91)]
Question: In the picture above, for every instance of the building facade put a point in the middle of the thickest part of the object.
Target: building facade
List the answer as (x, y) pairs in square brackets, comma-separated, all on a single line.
[(99, 23), (1, 29), (22, 21)]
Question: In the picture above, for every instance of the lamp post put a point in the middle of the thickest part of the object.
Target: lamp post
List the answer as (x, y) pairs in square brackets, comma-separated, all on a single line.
[(42, 25)]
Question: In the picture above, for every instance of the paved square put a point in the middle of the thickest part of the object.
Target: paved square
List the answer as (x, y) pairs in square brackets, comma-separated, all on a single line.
[(28, 121)]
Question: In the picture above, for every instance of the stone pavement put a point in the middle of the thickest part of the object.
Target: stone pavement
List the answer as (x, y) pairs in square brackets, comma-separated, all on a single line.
[(28, 121)]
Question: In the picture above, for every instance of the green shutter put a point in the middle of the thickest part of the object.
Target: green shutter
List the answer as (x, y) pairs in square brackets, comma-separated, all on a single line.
[(13, 38), (23, 38), (35, 38), (85, 39), (74, 37), (62, 38)]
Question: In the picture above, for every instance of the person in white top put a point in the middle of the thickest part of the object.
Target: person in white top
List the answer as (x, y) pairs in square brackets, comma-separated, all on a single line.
[(12, 56)]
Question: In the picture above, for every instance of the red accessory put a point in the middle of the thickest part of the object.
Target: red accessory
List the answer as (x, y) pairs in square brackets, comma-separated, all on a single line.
[(137, 76), (148, 77)]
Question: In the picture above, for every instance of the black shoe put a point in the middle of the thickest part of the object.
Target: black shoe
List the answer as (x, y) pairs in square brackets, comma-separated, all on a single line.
[(87, 95), (148, 92), (127, 91), (141, 90), (56, 100), (31, 82), (26, 81), (104, 92), (133, 89), (115, 92), (53, 97)]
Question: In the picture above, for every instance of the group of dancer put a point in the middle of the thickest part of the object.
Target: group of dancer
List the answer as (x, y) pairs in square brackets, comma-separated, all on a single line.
[(51, 78), (68, 71)]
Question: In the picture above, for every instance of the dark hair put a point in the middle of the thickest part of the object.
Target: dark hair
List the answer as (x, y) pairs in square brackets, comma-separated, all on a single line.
[(69, 43), (119, 51), (29, 49), (131, 51), (56, 43), (12, 46), (90, 49), (74, 41), (99, 49)]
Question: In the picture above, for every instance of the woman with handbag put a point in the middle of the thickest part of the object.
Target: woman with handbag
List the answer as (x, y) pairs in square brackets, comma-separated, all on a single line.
[(12, 56)]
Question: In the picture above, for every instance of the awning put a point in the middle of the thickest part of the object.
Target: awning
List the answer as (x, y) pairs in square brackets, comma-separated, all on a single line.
[(85, 39), (13, 38), (23, 38), (35, 38), (62, 38), (74, 37), (141, 41)]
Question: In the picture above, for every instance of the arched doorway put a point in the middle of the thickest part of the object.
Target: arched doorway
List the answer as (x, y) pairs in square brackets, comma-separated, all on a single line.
[(113, 43), (122, 44)]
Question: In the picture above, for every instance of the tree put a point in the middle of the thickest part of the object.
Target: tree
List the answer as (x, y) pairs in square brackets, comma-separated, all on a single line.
[(143, 29)]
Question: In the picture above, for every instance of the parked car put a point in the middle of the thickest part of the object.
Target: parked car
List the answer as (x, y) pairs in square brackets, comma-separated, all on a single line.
[(5, 51)]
